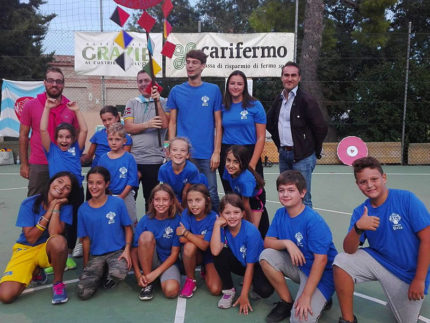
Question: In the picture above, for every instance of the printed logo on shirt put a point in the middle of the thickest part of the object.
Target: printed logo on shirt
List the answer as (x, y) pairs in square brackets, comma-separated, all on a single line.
[(123, 172), (299, 238), (168, 232), (185, 180), (111, 216), (203, 232), (237, 189), (243, 114), (395, 219), (205, 101), (72, 150), (127, 110), (243, 251)]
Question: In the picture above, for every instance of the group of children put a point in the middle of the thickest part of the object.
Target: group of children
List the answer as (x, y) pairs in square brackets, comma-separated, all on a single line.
[(180, 231)]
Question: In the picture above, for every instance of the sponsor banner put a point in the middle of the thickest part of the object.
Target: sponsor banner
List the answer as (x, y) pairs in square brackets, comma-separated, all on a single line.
[(257, 55), (13, 97), (96, 52)]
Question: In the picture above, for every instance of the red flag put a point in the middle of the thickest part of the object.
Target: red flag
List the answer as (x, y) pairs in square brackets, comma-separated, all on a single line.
[(167, 7), (146, 21), (138, 4), (168, 49), (167, 28)]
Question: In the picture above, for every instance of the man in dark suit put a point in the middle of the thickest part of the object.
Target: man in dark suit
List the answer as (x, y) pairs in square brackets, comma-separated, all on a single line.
[(297, 127)]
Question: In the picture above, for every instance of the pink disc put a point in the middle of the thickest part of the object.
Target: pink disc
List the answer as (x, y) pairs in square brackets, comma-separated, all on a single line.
[(351, 148)]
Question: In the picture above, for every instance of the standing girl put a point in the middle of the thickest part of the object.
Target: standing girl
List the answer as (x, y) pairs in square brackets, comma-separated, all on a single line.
[(122, 168), (243, 122), (179, 172), (236, 245), (64, 155), (99, 142), (247, 183), (195, 232), (156, 246), (105, 230)]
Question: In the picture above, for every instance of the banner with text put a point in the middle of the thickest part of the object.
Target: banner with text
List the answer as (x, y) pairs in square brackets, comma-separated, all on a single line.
[(257, 55), (96, 52)]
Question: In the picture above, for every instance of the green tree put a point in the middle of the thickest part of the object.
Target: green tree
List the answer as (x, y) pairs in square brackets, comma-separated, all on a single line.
[(22, 30)]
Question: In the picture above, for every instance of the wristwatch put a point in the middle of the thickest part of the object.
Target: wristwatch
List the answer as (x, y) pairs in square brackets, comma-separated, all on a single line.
[(359, 231)]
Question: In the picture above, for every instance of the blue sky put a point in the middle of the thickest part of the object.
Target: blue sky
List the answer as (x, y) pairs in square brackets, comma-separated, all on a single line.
[(82, 15)]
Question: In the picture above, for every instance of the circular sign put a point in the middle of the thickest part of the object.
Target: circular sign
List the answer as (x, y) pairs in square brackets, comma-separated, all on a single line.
[(351, 148), (19, 105), (138, 4)]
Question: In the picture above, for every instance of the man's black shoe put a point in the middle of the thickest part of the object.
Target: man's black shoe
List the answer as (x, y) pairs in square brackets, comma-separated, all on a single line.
[(280, 312)]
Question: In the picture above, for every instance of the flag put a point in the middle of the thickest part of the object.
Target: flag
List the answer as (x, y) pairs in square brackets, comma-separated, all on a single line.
[(167, 7), (155, 68), (146, 21), (168, 49), (138, 4), (15, 92), (150, 45), (124, 61), (119, 16), (123, 39)]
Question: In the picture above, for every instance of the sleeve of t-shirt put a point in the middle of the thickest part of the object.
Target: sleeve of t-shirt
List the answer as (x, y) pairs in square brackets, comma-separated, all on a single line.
[(273, 228), (260, 116), (132, 178), (319, 237), (419, 217), (185, 220), (209, 229), (164, 106), (247, 186), (162, 178), (66, 214), (254, 246), (82, 232), (176, 242), (25, 215), (124, 218), (171, 100), (193, 174), (129, 111), (93, 138), (26, 114), (217, 99)]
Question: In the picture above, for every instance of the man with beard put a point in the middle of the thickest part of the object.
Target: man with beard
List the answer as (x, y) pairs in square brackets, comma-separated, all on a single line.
[(195, 111), (35, 168)]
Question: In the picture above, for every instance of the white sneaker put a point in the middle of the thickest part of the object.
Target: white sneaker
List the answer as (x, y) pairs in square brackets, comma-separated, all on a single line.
[(227, 298), (78, 251)]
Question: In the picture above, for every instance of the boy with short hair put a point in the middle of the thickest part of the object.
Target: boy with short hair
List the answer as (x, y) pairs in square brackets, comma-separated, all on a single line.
[(299, 245), (396, 225)]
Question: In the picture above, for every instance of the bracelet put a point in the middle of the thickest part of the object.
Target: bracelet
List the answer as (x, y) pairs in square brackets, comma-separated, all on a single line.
[(128, 243), (55, 211), (43, 218), (357, 230), (41, 228)]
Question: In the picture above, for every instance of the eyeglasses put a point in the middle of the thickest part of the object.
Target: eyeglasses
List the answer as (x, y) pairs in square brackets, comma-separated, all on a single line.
[(52, 81)]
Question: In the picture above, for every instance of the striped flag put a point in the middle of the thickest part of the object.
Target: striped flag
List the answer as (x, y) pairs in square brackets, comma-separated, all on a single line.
[(15, 92)]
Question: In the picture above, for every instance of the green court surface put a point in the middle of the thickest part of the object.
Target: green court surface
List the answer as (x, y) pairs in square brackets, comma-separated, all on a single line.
[(334, 196)]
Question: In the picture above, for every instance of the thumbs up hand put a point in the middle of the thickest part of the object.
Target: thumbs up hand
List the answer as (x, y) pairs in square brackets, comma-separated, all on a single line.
[(367, 222)]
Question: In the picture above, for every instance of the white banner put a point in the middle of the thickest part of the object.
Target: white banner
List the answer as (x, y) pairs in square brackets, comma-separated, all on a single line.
[(95, 53), (257, 55)]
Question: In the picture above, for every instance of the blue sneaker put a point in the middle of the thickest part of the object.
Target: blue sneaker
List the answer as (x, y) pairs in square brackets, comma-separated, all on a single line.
[(40, 278), (59, 295)]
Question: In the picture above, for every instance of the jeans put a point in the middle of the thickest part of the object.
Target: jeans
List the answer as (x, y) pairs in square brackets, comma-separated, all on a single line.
[(305, 166), (204, 166)]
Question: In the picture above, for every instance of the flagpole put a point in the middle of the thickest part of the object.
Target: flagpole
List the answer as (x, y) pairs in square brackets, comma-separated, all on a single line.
[(151, 69)]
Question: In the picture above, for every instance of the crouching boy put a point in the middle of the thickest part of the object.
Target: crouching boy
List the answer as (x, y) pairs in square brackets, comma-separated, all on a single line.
[(299, 245)]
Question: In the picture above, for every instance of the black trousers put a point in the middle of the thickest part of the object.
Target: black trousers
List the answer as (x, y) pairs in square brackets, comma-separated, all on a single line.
[(226, 263), (149, 179)]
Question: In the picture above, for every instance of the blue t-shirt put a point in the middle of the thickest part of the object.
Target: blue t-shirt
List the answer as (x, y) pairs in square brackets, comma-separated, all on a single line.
[(123, 171), (247, 245), (104, 226), (195, 107), (312, 235), (190, 174), (70, 160), (27, 218), (102, 146), (164, 232), (244, 184), (239, 123), (395, 242)]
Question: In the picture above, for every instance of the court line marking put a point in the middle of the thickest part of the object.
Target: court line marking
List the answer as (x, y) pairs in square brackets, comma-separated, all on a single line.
[(316, 208), (181, 306), (34, 289), (13, 188)]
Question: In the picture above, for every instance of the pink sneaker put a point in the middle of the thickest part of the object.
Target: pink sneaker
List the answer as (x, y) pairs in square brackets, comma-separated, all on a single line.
[(189, 288)]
